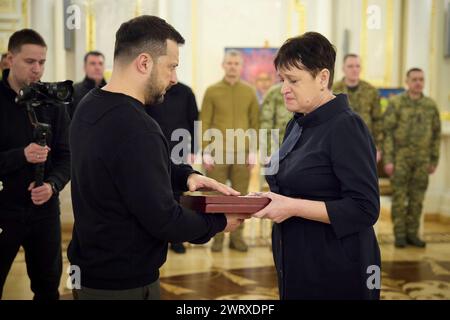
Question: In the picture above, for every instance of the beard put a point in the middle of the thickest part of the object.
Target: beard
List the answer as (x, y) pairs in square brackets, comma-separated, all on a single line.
[(154, 94)]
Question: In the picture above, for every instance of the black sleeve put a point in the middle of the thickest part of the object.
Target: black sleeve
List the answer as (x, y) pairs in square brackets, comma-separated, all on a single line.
[(78, 93), (141, 174), (353, 157), (192, 117), (60, 171), (179, 175), (12, 160)]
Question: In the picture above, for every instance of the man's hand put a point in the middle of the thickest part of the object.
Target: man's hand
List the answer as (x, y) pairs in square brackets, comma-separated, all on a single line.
[(191, 158), (234, 220), (35, 153), (42, 194), (208, 162), (389, 169), (251, 161), (198, 182), (431, 169), (379, 155)]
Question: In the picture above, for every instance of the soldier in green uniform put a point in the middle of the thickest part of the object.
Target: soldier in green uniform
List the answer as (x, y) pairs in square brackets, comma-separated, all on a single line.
[(274, 115), (363, 98), (412, 130), (230, 104)]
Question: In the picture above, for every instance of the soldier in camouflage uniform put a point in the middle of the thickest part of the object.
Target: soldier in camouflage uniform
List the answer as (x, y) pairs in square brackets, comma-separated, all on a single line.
[(412, 131), (274, 115), (363, 98)]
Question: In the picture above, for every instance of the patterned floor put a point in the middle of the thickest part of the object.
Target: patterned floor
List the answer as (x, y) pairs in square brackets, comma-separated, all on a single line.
[(409, 273), (400, 280)]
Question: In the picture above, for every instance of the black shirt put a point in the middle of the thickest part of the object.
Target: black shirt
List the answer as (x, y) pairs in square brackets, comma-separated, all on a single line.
[(16, 133), (122, 197), (80, 89), (177, 111), (334, 161)]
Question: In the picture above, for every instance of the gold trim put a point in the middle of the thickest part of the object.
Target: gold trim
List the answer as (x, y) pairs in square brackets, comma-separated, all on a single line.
[(25, 22), (138, 8), (107, 74), (194, 43), (404, 43), (301, 11), (90, 26), (386, 80), (389, 49)]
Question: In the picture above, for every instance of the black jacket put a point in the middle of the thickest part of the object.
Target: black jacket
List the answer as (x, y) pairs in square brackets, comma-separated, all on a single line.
[(333, 161), (16, 133), (80, 89), (178, 111), (122, 197)]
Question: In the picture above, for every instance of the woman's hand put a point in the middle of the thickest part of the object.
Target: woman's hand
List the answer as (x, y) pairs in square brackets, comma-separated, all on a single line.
[(282, 208), (279, 209)]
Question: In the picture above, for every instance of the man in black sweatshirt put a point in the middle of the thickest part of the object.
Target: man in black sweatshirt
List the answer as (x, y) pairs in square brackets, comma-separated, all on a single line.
[(94, 67), (122, 176), (178, 111), (29, 214)]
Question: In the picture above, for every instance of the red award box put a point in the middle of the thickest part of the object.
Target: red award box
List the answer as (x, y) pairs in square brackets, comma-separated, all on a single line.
[(224, 204)]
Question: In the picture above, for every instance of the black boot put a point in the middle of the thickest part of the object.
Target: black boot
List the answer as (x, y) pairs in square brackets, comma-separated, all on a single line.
[(400, 242), (178, 247), (415, 241)]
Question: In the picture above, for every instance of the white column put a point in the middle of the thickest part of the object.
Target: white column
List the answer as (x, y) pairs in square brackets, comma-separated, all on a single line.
[(437, 198), (58, 49), (178, 15), (163, 8), (425, 50), (319, 16), (418, 37), (42, 21)]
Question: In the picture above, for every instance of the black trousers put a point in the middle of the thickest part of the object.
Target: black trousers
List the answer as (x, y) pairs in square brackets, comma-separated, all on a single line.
[(41, 241), (148, 292), (177, 195)]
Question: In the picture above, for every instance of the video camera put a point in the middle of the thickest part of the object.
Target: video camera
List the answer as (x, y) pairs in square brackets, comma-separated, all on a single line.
[(46, 93), (43, 94)]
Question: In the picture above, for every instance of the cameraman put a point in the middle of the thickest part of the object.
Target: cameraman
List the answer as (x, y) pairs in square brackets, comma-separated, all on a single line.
[(29, 215)]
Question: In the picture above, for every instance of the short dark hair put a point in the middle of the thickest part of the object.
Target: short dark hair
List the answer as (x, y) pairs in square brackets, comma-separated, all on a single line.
[(93, 53), (350, 55), (311, 52), (22, 37), (144, 34), (413, 70)]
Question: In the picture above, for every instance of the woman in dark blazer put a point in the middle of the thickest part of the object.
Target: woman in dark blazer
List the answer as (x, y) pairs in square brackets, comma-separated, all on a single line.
[(324, 184)]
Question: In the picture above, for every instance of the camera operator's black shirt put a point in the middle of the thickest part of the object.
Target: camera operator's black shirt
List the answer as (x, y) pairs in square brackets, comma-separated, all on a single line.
[(16, 133), (124, 209)]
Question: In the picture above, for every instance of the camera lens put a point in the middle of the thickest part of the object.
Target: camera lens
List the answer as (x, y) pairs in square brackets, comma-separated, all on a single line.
[(64, 90), (62, 93)]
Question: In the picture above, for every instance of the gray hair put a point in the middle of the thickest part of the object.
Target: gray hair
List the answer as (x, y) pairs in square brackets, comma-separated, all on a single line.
[(233, 53)]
